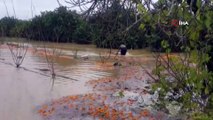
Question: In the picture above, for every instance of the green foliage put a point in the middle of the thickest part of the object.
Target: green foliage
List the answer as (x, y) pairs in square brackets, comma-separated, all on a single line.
[(55, 25), (60, 25), (121, 94), (20, 29), (116, 24), (202, 116), (6, 25), (82, 34), (183, 79), (106, 28), (110, 27), (192, 84)]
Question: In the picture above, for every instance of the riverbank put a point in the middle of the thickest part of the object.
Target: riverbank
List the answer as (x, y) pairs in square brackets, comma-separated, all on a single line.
[(103, 91), (24, 88), (123, 97)]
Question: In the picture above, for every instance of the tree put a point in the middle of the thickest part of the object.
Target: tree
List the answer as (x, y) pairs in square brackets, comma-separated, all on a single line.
[(82, 34), (18, 52), (62, 21), (184, 79), (6, 25)]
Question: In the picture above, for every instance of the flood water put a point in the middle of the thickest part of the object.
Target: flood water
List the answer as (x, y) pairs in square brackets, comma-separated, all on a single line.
[(23, 89)]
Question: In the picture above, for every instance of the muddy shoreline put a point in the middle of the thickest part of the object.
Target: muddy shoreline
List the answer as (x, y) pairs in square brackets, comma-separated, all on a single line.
[(124, 97)]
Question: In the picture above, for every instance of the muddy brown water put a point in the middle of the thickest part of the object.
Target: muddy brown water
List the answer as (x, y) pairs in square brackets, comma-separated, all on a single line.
[(22, 90)]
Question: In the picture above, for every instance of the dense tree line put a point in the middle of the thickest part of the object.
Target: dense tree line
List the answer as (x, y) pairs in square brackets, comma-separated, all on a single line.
[(105, 28), (60, 25), (114, 23)]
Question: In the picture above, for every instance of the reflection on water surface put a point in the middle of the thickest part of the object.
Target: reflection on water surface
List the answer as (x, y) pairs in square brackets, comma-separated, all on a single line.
[(22, 89)]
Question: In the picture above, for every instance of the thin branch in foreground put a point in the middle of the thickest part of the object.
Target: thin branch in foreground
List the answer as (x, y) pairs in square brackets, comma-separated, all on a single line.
[(18, 52)]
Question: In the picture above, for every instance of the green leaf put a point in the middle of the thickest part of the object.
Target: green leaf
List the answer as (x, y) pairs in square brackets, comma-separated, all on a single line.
[(142, 26), (164, 44), (199, 2), (168, 50), (141, 8), (206, 90), (208, 20), (194, 35), (121, 94)]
